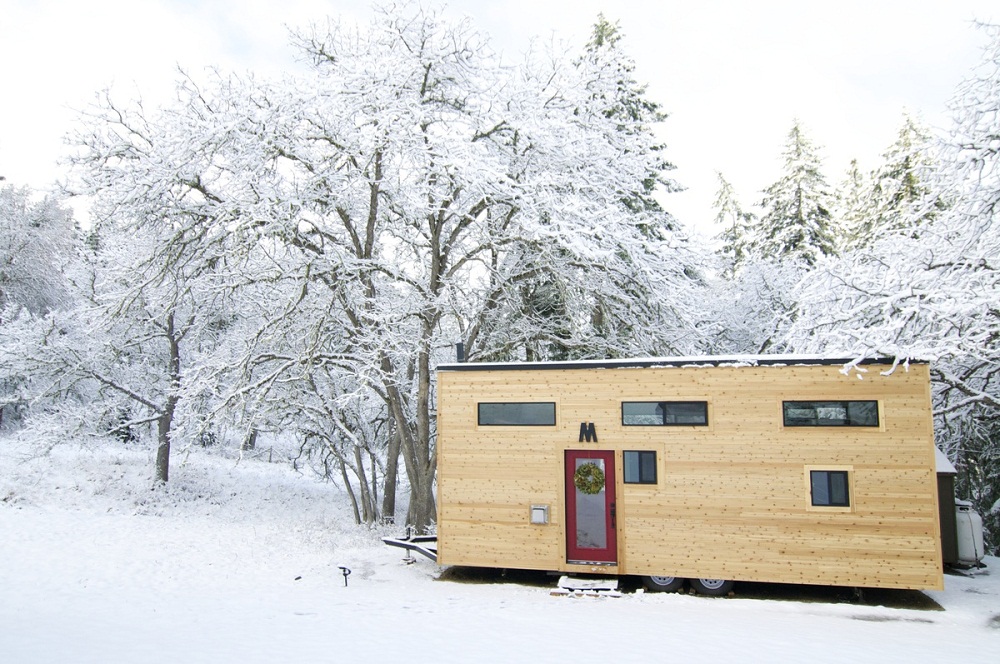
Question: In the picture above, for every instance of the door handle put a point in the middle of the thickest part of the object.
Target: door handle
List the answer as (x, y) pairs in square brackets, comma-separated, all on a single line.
[(613, 515)]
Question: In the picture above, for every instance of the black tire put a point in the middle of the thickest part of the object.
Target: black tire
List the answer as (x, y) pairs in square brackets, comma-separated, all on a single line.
[(712, 587), (663, 584)]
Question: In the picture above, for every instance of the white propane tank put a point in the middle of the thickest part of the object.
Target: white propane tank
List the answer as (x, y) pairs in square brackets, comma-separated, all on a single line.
[(970, 533)]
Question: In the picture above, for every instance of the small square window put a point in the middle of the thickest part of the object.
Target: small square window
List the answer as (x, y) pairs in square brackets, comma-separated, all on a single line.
[(830, 488), (640, 467)]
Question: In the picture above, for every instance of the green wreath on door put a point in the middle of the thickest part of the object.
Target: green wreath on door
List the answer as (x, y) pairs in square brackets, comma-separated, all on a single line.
[(589, 479)]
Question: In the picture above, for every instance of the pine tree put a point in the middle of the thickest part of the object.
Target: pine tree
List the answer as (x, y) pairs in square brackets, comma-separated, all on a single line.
[(926, 285), (797, 221), (736, 223), (852, 209), (635, 112), (543, 299), (605, 33), (900, 198)]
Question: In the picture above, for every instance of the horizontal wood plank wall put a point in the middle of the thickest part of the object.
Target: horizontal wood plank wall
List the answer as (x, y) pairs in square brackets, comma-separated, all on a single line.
[(731, 499)]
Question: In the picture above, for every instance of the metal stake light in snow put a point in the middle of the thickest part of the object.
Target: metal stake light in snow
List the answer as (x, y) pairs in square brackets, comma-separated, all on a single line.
[(346, 572)]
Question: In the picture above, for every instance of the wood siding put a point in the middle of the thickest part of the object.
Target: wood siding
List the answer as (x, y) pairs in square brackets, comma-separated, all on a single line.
[(732, 498)]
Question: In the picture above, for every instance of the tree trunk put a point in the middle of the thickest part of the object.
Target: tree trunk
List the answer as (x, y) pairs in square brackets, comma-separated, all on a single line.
[(417, 460), (423, 511), (422, 460), (350, 489), (391, 478), (163, 447), (164, 423), (374, 483), (368, 514), (250, 442)]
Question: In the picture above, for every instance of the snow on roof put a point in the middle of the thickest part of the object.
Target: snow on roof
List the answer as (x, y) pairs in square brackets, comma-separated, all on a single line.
[(942, 464), (682, 361)]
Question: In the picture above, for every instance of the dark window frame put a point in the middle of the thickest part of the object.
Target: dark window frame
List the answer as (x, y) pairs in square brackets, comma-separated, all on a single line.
[(819, 403), (665, 423), (846, 474), (642, 479), (547, 423)]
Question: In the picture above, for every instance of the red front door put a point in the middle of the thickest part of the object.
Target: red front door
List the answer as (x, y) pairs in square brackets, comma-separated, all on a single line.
[(590, 507)]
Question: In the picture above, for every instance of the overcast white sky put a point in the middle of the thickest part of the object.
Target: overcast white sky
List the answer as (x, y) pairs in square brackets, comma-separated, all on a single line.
[(732, 74)]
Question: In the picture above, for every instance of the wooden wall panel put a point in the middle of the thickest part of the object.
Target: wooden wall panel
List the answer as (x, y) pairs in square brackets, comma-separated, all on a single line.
[(731, 499)]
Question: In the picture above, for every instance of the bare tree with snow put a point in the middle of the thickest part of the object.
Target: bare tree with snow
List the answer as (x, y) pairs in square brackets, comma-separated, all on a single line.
[(391, 201), (38, 238)]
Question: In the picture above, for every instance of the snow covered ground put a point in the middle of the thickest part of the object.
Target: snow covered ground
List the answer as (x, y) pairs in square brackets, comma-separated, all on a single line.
[(239, 561)]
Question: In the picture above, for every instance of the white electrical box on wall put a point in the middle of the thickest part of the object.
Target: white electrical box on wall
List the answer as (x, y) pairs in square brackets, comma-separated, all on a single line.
[(540, 514)]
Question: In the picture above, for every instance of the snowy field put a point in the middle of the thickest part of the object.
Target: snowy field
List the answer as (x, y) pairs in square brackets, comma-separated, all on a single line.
[(238, 561)]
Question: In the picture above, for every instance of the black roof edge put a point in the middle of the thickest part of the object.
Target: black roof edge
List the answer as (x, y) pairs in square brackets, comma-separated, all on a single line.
[(708, 360)]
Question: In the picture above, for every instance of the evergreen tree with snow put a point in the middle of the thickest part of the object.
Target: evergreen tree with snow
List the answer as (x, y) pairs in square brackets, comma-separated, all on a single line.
[(627, 103), (852, 204), (736, 224), (926, 283), (796, 221), (554, 331), (901, 196)]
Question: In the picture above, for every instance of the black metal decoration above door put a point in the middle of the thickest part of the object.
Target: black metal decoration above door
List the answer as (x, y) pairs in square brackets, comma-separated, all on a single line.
[(588, 432)]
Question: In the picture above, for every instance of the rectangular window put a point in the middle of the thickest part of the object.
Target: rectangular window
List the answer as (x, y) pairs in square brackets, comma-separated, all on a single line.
[(640, 467), (665, 413), (830, 413), (517, 414), (830, 488)]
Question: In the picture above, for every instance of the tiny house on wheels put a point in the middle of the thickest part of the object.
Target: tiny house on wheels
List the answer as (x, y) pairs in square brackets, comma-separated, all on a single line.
[(700, 470)]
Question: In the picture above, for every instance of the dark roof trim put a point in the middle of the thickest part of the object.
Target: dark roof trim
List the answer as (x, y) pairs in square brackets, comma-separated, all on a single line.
[(708, 360)]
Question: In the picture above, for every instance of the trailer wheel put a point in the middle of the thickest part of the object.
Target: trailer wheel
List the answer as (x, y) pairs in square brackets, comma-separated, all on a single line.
[(663, 584), (712, 587)]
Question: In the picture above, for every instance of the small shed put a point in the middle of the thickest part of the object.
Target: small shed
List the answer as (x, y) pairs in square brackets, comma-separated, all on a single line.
[(946, 473)]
